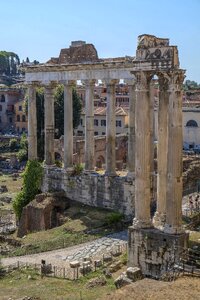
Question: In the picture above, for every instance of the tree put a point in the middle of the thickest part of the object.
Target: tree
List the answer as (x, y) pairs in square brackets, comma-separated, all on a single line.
[(59, 109), (32, 178)]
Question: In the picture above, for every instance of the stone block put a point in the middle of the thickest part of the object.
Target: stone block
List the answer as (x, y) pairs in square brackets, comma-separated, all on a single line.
[(121, 281), (74, 264), (134, 273)]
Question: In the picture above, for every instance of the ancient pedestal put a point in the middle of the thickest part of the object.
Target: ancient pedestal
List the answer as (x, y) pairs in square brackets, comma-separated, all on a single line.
[(154, 251)]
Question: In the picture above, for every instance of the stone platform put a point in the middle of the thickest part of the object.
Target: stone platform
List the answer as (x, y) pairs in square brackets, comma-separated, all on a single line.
[(153, 251)]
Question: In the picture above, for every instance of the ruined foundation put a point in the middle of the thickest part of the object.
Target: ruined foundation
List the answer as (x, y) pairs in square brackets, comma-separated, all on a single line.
[(154, 251)]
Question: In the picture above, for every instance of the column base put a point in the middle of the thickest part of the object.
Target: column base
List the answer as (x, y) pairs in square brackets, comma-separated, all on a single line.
[(159, 220), (138, 224), (152, 250), (173, 229)]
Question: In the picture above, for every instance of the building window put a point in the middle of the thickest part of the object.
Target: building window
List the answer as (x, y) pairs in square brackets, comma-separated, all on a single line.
[(20, 108), (103, 133), (3, 98), (191, 123), (0, 107), (118, 123), (0, 119), (10, 120), (18, 118), (96, 133), (23, 118), (103, 122), (96, 122), (81, 122)]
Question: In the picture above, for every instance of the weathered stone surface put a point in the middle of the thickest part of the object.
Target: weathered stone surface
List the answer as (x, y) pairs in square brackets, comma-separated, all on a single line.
[(121, 281), (134, 273), (74, 264), (42, 213), (93, 189)]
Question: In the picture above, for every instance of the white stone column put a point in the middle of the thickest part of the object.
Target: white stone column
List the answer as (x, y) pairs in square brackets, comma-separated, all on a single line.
[(162, 147), (174, 155), (110, 128), (89, 125), (49, 124), (151, 107), (131, 130), (68, 124), (142, 152), (32, 123)]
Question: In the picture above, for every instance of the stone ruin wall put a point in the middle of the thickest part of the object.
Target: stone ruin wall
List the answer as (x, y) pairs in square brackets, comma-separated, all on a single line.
[(115, 193)]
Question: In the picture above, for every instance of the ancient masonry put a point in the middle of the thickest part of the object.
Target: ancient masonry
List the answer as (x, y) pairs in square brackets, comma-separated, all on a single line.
[(153, 243)]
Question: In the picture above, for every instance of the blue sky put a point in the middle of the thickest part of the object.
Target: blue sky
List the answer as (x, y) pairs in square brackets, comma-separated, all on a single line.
[(40, 28)]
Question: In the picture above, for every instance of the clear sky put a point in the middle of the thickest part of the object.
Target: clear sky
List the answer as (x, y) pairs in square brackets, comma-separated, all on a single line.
[(40, 28)]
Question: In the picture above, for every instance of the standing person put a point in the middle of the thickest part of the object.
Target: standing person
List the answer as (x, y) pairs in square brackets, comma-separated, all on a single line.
[(197, 202), (191, 204)]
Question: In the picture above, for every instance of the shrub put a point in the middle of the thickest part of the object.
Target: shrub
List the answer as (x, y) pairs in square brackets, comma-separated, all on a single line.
[(77, 169), (13, 144), (32, 178), (114, 218), (22, 155)]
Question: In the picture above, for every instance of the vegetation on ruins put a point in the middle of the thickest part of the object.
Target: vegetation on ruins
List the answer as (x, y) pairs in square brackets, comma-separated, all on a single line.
[(22, 155), (32, 178)]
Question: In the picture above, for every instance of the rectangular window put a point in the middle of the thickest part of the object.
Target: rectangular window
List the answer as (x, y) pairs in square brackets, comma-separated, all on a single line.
[(103, 122), (81, 122), (20, 108), (96, 122), (96, 133), (103, 133), (118, 123)]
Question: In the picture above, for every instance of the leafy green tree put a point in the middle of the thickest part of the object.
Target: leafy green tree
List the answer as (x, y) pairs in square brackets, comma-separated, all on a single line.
[(22, 155), (59, 109), (13, 144), (32, 178)]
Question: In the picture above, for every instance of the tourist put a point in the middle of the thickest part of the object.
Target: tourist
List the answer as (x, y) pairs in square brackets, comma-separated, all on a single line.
[(197, 202), (191, 204)]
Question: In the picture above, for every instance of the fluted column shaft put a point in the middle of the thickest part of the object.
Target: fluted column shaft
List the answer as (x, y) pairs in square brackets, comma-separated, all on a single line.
[(32, 124), (49, 124), (131, 130), (174, 155), (162, 147), (89, 125), (68, 124), (110, 129), (142, 152)]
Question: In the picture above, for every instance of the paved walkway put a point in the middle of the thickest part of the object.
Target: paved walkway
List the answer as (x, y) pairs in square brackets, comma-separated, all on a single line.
[(61, 257)]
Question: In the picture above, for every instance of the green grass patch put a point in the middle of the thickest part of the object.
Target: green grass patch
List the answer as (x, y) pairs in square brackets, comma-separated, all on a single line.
[(16, 285)]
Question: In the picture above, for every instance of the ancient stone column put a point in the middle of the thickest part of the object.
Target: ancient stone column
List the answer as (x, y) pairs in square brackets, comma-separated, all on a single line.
[(142, 151), (131, 130), (110, 128), (68, 124), (174, 155), (151, 107), (89, 125), (49, 124), (162, 146), (32, 123)]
